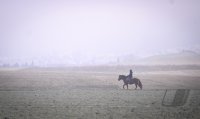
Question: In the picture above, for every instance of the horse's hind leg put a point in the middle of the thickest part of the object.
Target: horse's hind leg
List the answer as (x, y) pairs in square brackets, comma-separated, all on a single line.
[(127, 86), (123, 86), (135, 86)]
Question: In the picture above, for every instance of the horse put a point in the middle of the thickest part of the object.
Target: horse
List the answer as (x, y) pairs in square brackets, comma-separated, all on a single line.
[(135, 81)]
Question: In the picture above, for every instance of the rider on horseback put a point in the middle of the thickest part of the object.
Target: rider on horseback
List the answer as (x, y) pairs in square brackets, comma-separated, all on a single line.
[(130, 76)]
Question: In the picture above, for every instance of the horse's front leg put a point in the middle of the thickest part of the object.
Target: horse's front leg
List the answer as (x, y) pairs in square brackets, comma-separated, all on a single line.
[(135, 86), (123, 86), (127, 86)]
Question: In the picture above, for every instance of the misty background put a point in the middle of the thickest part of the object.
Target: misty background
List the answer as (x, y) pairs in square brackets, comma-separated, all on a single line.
[(102, 32)]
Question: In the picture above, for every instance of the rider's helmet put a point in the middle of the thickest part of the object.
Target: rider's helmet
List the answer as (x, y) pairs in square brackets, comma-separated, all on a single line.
[(131, 71)]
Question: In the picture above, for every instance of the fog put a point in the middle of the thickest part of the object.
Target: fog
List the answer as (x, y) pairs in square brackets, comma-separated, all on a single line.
[(78, 32)]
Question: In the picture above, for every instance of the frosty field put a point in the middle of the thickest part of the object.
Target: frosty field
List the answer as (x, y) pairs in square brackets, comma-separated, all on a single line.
[(169, 92)]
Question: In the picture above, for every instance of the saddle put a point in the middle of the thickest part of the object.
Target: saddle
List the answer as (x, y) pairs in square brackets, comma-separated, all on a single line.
[(129, 80)]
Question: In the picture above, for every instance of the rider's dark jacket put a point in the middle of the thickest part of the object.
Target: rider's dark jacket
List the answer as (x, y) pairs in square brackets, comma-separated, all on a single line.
[(129, 77), (130, 74)]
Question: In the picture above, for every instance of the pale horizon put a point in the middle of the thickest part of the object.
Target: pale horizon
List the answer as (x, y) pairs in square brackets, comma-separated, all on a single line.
[(53, 29)]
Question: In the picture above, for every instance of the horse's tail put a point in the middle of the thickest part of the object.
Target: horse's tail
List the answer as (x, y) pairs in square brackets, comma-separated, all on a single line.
[(139, 84)]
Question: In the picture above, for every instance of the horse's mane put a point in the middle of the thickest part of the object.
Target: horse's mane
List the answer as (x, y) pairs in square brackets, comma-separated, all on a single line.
[(122, 75)]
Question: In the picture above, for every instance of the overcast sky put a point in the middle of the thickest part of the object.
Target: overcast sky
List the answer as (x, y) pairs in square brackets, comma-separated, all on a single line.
[(97, 27)]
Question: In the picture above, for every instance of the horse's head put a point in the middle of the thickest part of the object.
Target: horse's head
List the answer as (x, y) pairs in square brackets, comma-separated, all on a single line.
[(120, 77)]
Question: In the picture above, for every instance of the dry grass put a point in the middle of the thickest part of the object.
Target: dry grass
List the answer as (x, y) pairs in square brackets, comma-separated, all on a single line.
[(95, 92)]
